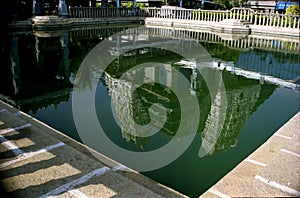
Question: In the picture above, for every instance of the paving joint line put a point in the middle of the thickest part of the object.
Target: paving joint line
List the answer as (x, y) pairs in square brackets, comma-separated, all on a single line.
[(15, 128), (290, 152), (218, 193), (28, 155), (283, 136), (71, 185), (278, 186), (255, 162)]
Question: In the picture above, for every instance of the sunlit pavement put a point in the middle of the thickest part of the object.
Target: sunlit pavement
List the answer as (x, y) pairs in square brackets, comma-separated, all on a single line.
[(38, 161), (273, 170)]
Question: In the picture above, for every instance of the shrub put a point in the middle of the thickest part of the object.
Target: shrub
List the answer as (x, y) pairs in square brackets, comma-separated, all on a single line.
[(293, 9)]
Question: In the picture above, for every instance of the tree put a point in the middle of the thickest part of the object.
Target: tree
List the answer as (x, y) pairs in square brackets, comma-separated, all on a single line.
[(225, 3), (236, 3), (293, 9)]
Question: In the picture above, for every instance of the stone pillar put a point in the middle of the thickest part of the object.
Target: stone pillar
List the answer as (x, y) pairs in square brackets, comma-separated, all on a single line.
[(64, 40), (134, 8), (36, 8), (15, 66), (290, 21), (62, 9)]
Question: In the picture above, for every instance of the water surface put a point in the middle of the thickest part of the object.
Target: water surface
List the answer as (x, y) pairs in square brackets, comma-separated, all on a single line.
[(38, 73)]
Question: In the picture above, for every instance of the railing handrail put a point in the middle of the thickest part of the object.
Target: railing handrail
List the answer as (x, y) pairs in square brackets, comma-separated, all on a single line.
[(243, 14), (103, 12)]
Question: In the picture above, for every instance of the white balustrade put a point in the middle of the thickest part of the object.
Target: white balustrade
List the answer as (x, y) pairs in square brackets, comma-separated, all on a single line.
[(245, 14)]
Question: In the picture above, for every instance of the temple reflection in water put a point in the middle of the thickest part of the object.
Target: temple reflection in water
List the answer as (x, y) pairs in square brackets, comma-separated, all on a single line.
[(243, 98)]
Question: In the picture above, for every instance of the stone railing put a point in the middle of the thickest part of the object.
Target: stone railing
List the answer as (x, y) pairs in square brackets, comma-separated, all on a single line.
[(201, 15), (243, 14), (277, 20), (92, 12), (246, 15)]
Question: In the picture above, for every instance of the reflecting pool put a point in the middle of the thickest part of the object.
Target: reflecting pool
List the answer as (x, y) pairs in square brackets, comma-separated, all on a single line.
[(227, 96)]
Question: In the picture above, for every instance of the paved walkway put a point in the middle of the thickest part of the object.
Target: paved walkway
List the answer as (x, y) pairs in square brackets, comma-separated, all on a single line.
[(38, 161), (273, 170)]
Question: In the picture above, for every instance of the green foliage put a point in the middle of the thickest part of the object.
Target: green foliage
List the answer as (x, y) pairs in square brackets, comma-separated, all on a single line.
[(293, 9), (226, 4), (130, 5), (236, 3), (140, 5)]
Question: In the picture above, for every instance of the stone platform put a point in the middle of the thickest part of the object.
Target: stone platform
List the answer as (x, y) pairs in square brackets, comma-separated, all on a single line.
[(59, 23)]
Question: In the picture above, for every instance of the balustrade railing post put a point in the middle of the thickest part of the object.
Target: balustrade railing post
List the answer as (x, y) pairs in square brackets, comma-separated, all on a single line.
[(201, 13), (248, 15), (290, 21), (282, 20), (70, 12), (264, 19), (214, 16), (186, 14), (295, 22), (242, 14), (286, 21)]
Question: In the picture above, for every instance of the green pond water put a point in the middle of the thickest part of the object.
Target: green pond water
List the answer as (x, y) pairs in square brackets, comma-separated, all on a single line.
[(260, 90)]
